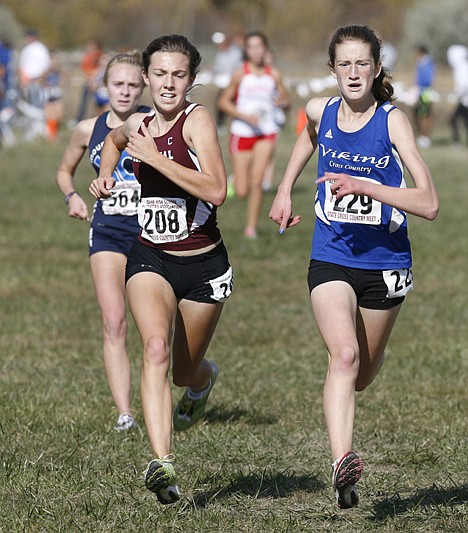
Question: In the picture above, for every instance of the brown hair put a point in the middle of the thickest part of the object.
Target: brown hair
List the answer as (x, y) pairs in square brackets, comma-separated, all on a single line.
[(173, 43), (382, 88)]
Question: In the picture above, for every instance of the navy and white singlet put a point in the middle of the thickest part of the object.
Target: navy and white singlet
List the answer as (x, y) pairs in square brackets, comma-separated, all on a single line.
[(358, 231), (119, 212)]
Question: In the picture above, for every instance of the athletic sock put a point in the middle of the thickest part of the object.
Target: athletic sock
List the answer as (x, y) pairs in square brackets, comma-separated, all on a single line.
[(197, 395)]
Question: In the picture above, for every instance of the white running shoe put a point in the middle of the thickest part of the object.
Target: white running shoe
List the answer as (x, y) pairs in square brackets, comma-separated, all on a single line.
[(125, 422)]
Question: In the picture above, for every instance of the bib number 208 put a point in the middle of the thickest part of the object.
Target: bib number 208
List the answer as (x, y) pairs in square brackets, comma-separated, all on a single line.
[(161, 221)]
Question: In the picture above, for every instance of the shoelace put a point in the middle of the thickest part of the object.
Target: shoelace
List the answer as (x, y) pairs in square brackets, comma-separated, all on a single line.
[(170, 458)]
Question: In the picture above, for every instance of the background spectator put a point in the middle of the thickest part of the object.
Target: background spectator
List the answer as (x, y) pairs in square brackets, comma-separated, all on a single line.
[(228, 57), (7, 93), (99, 88), (89, 66), (424, 78), (457, 56), (53, 97), (389, 55), (34, 61), (6, 54)]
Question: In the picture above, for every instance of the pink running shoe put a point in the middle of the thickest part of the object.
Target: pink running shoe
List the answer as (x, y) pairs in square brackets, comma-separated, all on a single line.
[(346, 473)]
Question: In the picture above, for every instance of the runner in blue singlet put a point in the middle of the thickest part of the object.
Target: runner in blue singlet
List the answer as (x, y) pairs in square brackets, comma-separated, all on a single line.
[(360, 268)]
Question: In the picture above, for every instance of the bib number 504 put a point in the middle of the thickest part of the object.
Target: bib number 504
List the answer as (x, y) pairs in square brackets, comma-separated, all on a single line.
[(121, 199)]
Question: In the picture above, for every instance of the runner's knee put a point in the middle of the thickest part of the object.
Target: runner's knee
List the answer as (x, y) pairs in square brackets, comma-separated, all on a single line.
[(115, 327), (345, 360), (156, 352)]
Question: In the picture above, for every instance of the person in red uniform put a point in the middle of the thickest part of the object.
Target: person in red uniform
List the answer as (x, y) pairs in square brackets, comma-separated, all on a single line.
[(254, 99)]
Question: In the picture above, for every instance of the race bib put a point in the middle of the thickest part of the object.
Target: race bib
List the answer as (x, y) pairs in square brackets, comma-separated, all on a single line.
[(259, 108), (399, 282), (222, 286), (163, 220), (264, 110), (357, 209), (124, 200)]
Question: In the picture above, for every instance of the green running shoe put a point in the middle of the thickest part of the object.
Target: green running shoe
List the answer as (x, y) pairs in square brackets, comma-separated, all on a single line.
[(231, 188), (160, 478), (188, 411)]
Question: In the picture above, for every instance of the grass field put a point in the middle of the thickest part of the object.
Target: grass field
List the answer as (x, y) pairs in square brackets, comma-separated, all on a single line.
[(260, 462)]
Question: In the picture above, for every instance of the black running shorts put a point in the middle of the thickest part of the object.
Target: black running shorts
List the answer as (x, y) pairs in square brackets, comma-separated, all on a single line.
[(206, 277), (369, 285)]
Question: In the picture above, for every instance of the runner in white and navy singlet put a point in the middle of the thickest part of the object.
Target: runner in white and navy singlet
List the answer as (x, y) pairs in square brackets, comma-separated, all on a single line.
[(114, 225), (358, 231), (115, 217)]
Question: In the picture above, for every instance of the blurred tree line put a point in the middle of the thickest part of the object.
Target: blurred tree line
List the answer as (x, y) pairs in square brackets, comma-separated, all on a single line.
[(294, 25), (298, 29)]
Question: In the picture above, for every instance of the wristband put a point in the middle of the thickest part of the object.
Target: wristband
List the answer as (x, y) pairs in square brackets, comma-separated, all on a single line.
[(68, 196)]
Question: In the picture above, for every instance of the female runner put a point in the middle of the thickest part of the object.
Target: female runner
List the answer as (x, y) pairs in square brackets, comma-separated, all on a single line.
[(178, 274), (360, 268), (255, 99), (114, 225)]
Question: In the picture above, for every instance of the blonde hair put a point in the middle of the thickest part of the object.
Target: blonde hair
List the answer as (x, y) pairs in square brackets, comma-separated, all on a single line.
[(134, 58)]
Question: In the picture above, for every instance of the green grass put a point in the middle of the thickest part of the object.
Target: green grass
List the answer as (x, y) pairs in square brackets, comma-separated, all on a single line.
[(260, 462)]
